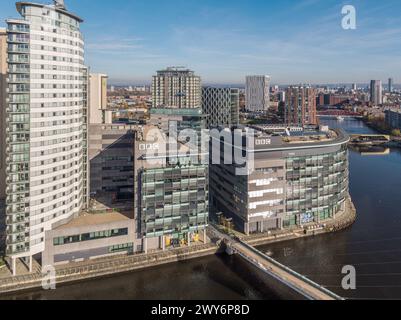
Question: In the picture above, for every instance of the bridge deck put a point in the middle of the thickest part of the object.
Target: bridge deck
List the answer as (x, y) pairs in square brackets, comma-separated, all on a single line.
[(297, 282)]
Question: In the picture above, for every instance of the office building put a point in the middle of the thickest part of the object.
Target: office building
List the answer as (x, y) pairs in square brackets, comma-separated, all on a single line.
[(376, 92), (177, 88), (97, 98), (3, 85), (390, 85), (295, 179), (221, 105), (111, 148), (257, 93), (45, 126), (300, 106), (354, 87), (172, 191)]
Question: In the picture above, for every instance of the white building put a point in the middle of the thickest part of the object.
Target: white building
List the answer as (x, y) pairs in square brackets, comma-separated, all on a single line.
[(97, 98), (176, 88), (257, 93), (46, 111)]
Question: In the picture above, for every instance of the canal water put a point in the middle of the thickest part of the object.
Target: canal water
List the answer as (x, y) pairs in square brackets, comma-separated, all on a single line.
[(372, 245)]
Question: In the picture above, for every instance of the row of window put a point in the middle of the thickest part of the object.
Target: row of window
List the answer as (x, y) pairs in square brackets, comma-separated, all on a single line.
[(90, 236)]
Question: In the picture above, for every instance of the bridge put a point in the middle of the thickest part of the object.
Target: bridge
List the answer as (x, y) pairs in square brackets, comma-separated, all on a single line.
[(370, 139), (338, 113), (300, 284)]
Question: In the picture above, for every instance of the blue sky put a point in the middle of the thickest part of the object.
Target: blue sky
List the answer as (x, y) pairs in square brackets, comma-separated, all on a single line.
[(224, 40)]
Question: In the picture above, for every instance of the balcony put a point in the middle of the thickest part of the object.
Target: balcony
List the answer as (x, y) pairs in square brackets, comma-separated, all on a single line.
[(12, 251), (16, 229)]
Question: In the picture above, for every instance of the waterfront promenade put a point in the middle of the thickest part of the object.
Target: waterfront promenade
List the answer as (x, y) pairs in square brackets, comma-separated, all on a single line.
[(122, 264)]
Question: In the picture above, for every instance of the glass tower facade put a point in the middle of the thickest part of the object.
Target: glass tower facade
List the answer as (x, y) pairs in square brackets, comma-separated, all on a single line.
[(317, 186), (174, 201)]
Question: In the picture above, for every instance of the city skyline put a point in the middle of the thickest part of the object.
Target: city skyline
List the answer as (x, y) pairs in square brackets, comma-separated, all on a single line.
[(292, 41)]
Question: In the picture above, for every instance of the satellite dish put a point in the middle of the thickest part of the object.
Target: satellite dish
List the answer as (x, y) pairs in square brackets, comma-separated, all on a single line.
[(59, 4)]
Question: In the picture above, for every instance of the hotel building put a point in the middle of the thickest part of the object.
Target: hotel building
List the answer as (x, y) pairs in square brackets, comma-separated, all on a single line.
[(46, 111), (294, 180)]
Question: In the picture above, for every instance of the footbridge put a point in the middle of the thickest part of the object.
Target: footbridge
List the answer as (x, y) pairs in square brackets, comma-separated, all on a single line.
[(300, 284)]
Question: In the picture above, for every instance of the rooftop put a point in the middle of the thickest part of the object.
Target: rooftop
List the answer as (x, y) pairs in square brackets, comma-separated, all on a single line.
[(88, 219)]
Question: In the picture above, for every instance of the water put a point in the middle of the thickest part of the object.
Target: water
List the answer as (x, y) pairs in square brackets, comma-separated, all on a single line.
[(372, 246)]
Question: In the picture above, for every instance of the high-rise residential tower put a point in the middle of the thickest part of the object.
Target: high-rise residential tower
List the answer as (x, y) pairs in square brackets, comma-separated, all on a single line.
[(257, 93), (221, 106), (177, 88), (376, 92), (300, 106), (390, 85), (45, 125), (3, 84)]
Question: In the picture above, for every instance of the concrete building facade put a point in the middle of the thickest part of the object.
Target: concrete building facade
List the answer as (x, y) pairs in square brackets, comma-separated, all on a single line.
[(257, 93), (97, 98), (177, 88), (221, 105), (45, 122), (295, 180), (300, 106)]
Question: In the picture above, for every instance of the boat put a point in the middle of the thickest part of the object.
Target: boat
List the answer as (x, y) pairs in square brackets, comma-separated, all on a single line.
[(340, 118)]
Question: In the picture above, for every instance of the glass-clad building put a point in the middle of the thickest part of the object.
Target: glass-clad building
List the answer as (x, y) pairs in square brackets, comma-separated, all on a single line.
[(293, 179), (174, 201)]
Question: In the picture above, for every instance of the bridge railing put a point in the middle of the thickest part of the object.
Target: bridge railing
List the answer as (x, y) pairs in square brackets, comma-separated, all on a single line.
[(292, 272)]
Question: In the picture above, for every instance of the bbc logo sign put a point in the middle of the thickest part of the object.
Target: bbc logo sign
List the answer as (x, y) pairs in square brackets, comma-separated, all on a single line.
[(149, 147), (263, 142)]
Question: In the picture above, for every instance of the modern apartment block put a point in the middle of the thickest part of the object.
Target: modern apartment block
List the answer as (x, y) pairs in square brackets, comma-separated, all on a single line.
[(45, 125), (3, 85), (97, 98), (177, 88), (376, 92), (393, 118), (300, 106), (294, 180), (221, 105), (257, 95)]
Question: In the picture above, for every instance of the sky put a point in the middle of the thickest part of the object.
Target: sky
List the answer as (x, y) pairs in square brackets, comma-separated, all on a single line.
[(224, 40)]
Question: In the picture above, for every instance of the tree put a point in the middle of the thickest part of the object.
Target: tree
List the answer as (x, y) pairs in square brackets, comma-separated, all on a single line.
[(396, 133)]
